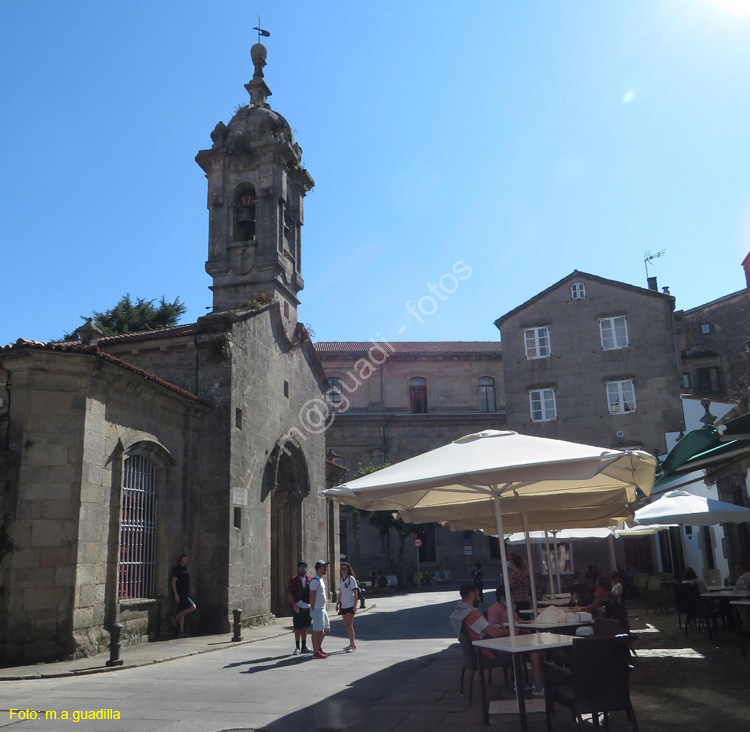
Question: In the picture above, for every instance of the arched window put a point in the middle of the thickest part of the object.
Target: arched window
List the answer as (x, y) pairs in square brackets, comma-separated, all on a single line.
[(245, 208), (333, 393), (137, 529), (418, 395), (487, 394)]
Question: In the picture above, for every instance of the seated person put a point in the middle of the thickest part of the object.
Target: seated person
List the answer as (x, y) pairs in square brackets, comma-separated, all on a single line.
[(605, 606), (616, 586), (691, 578), (743, 577), (477, 627)]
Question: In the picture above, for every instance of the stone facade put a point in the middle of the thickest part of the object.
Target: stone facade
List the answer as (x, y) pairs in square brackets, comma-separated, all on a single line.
[(639, 362), (373, 423), (74, 418), (712, 341), (119, 454)]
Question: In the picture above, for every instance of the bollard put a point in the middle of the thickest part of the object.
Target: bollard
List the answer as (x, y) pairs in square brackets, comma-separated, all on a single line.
[(361, 594), (114, 644), (237, 625)]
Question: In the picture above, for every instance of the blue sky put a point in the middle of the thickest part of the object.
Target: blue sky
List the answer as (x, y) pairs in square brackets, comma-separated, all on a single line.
[(525, 140)]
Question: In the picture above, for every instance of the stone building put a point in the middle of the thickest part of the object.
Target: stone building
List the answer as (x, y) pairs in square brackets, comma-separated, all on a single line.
[(593, 360), (119, 454), (713, 341), (392, 401)]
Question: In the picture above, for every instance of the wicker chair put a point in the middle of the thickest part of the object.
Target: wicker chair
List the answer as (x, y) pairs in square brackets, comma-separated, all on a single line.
[(596, 683), (470, 662), (688, 602)]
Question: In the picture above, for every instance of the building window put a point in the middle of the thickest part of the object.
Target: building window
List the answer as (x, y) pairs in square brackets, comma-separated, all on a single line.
[(543, 407), (578, 290), (487, 394), (705, 328), (614, 332), (620, 397), (494, 548), (536, 341), (137, 529), (245, 213), (686, 380), (427, 550), (333, 393), (418, 395), (708, 380), (343, 545)]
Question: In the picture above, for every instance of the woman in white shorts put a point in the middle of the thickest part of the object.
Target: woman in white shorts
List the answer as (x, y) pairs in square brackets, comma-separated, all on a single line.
[(347, 602)]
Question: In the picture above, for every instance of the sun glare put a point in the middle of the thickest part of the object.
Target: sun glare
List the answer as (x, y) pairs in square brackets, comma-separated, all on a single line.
[(738, 8)]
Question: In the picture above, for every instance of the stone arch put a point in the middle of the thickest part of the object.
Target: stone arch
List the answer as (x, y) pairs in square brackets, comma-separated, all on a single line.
[(287, 482)]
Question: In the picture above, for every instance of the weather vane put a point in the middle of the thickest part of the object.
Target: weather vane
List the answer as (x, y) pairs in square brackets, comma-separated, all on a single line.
[(261, 31), (649, 258)]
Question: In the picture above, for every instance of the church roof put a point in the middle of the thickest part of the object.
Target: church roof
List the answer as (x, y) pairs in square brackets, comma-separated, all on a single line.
[(411, 347), (78, 347), (144, 335)]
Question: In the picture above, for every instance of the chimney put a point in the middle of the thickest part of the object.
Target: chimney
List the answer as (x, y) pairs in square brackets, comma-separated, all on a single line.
[(665, 290), (746, 267), (652, 284)]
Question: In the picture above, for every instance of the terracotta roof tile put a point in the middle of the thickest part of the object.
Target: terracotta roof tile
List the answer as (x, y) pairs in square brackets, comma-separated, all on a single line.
[(412, 347), (78, 347)]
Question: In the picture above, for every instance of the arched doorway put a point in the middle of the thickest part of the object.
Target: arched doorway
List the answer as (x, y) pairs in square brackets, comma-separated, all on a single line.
[(287, 481)]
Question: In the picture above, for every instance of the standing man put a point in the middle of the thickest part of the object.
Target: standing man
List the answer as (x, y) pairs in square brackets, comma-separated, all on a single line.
[(181, 590), (299, 588), (320, 622)]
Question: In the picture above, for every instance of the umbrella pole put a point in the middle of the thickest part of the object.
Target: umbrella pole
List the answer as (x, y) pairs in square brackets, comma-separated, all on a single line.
[(530, 562), (550, 580), (557, 563), (612, 560), (503, 554)]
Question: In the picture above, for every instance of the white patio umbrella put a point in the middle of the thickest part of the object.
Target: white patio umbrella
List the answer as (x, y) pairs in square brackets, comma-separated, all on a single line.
[(681, 507), (494, 466)]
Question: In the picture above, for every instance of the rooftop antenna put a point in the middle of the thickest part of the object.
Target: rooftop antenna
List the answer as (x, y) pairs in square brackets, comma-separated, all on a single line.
[(261, 31), (649, 258)]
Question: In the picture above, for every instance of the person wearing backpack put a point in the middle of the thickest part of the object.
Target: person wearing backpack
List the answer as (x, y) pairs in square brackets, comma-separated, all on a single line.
[(298, 591)]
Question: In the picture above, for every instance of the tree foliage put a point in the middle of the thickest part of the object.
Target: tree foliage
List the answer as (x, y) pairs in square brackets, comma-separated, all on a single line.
[(131, 317), (384, 521)]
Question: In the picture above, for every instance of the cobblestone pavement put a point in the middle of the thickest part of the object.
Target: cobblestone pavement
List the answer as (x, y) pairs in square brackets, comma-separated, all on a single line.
[(404, 676)]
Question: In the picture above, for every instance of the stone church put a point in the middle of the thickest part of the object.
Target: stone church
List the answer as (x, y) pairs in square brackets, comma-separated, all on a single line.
[(118, 454)]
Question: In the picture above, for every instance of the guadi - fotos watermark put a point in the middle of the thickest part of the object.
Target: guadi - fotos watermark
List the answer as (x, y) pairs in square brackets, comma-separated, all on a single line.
[(318, 414)]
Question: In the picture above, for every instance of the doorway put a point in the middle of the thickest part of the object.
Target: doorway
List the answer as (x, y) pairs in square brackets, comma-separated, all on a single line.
[(288, 484)]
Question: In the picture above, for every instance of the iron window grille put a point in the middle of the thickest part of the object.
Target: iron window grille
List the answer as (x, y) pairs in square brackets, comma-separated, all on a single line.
[(137, 529)]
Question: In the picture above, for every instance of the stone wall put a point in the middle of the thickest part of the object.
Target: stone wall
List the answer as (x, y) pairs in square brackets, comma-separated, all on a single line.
[(73, 420), (579, 368), (722, 347)]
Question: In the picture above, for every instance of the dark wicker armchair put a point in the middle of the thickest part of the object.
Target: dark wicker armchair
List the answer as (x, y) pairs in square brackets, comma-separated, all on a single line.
[(596, 683), (470, 662)]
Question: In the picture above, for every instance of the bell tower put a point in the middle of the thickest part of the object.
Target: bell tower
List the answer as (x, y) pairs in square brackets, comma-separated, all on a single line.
[(256, 185)]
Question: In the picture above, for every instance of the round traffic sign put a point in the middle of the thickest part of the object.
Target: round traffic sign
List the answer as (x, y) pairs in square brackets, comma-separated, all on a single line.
[(418, 542)]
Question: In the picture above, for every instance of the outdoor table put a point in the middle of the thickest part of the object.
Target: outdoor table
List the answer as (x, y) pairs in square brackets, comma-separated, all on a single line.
[(527, 611), (724, 597), (739, 602), (536, 625), (517, 645), (717, 588), (558, 601)]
